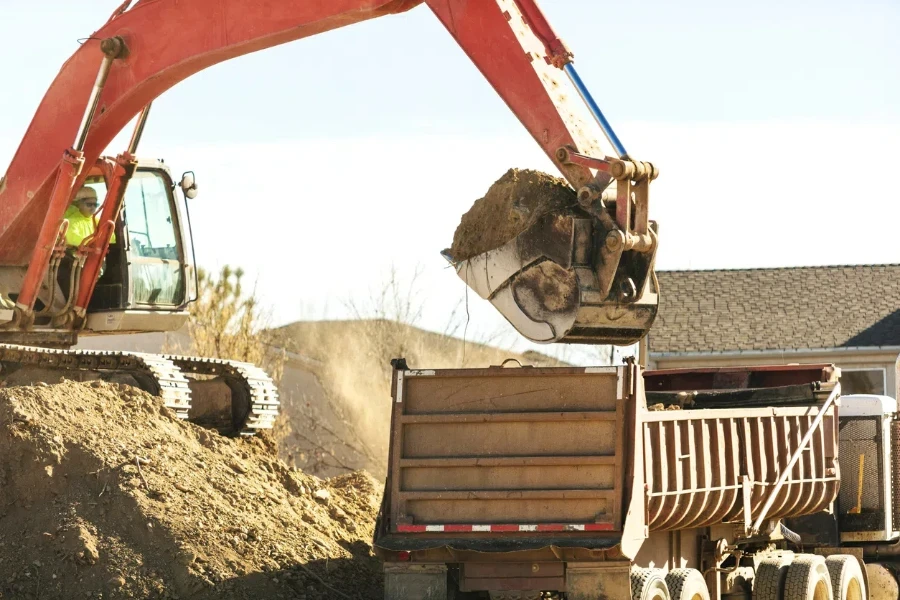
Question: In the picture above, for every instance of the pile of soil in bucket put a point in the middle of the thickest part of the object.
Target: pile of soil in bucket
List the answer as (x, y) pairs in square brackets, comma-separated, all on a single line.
[(512, 204), (104, 493)]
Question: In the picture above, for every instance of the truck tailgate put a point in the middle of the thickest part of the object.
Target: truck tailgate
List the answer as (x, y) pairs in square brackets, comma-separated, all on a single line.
[(520, 450)]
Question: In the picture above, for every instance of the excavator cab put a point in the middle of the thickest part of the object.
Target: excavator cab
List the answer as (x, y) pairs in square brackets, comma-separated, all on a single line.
[(149, 276), (144, 283)]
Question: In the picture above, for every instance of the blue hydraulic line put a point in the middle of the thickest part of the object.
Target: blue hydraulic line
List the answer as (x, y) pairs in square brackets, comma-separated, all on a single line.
[(595, 111)]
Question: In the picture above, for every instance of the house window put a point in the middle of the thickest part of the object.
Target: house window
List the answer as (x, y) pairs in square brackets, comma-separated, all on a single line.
[(862, 381)]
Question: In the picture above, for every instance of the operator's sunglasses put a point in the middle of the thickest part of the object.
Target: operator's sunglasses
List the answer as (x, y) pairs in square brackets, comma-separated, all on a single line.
[(90, 203)]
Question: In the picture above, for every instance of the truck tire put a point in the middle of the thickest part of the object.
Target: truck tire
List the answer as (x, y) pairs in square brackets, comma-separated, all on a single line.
[(847, 581), (649, 584), (768, 581), (808, 579), (686, 584), (882, 582)]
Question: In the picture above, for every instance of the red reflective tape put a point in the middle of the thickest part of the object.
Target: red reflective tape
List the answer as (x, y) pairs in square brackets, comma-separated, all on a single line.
[(598, 527), (544, 527)]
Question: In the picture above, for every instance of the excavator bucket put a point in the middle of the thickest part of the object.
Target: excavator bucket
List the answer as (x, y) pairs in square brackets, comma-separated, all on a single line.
[(572, 277)]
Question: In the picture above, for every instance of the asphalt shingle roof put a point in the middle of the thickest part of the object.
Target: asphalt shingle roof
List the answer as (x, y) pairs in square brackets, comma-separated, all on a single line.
[(777, 309)]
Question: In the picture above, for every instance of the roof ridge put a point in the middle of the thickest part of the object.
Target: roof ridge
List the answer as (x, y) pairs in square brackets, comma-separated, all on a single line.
[(797, 268)]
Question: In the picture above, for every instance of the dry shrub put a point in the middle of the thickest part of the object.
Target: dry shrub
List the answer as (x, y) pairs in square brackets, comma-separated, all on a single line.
[(229, 322)]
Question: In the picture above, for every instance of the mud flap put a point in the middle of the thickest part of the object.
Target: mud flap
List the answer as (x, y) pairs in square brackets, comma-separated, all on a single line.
[(598, 581), (409, 581)]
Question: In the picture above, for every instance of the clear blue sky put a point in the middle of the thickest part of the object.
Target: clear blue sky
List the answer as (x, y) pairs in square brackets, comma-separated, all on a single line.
[(701, 61), (750, 110)]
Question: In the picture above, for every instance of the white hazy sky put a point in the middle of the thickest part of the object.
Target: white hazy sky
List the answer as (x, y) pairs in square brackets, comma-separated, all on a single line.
[(776, 126)]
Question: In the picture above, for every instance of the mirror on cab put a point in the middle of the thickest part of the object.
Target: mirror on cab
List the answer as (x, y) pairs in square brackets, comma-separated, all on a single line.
[(189, 185)]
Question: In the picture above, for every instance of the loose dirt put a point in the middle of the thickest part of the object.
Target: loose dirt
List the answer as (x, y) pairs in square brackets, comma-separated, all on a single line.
[(105, 494), (512, 204)]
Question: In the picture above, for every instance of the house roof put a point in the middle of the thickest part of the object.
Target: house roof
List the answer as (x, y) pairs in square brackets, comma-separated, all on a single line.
[(777, 309)]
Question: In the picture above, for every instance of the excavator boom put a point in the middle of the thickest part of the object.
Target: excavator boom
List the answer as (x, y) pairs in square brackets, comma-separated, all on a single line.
[(166, 42), (145, 49)]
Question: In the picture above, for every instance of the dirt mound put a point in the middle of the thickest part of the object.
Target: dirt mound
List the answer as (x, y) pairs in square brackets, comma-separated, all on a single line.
[(512, 204), (104, 494)]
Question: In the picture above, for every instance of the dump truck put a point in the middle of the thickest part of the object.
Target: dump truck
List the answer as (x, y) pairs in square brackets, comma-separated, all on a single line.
[(597, 483)]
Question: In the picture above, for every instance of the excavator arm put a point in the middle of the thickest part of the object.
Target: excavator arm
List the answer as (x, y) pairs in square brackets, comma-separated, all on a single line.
[(145, 49)]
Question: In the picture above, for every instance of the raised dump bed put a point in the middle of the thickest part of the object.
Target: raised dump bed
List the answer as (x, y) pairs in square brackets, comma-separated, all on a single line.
[(536, 467)]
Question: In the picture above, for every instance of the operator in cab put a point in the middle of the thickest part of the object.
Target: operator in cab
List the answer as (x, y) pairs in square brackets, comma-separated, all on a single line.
[(82, 219), (80, 215)]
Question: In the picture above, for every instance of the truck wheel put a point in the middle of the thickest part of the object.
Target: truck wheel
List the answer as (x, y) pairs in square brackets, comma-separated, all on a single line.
[(649, 584), (882, 582), (686, 584), (846, 577), (808, 579), (768, 581)]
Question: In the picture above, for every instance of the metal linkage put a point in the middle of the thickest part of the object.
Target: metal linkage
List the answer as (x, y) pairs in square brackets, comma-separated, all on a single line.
[(68, 171), (138, 129), (112, 49)]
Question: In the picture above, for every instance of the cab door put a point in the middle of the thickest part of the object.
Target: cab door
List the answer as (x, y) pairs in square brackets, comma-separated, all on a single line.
[(155, 252)]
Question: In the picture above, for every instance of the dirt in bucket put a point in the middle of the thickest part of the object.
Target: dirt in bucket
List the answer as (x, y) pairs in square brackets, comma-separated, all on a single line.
[(512, 204)]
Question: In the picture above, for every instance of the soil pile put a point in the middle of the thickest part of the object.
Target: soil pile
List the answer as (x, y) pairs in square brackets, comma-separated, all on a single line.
[(105, 494), (512, 204)]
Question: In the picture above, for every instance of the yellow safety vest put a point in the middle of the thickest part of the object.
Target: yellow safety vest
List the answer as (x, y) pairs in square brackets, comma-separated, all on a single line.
[(80, 227)]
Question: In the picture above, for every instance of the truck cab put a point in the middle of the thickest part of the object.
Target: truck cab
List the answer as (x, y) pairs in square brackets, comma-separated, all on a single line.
[(868, 503), (149, 276)]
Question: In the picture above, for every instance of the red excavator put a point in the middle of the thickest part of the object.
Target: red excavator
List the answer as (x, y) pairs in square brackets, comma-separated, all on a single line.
[(582, 275)]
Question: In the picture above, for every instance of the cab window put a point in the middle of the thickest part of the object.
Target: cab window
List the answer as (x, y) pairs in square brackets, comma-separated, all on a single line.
[(157, 273), (151, 226)]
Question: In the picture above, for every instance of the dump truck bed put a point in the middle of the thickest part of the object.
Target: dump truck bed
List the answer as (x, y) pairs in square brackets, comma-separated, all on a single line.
[(529, 458), (512, 451)]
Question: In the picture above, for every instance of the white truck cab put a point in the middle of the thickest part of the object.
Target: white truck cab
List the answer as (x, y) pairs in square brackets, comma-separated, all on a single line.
[(868, 435)]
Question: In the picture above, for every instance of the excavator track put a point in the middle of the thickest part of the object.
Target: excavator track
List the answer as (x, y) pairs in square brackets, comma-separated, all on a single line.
[(169, 382), (255, 397)]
